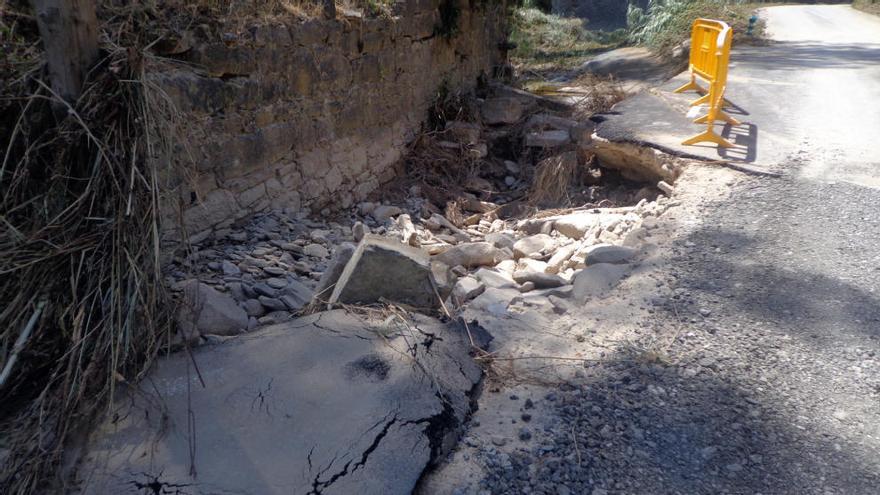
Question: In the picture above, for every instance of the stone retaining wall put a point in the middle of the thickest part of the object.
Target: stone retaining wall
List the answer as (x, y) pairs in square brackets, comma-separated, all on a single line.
[(313, 114)]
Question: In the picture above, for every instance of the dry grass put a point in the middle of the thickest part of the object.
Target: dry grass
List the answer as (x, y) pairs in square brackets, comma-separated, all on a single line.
[(83, 306)]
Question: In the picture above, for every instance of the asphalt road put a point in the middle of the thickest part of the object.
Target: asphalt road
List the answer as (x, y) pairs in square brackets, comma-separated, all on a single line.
[(754, 367), (813, 89)]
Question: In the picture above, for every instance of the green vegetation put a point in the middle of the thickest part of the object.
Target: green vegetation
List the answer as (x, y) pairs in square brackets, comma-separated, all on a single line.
[(547, 42), (668, 22)]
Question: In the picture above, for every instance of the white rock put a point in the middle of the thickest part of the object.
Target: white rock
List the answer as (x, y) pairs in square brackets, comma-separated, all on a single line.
[(559, 258), (531, 264), (492, 278), (467, 288), (538, 243), (471, 255)]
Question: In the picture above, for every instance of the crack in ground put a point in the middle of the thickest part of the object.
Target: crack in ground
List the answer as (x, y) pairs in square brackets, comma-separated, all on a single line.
[(318, 486)]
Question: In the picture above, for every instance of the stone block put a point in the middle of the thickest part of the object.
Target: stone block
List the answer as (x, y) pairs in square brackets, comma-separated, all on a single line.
[(383, 269)]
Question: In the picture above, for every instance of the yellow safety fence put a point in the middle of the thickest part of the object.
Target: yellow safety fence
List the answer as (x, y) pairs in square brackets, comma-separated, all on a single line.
[(709, 61)]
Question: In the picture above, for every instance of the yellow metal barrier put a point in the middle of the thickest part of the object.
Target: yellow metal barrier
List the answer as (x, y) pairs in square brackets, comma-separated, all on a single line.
[(710, 56)]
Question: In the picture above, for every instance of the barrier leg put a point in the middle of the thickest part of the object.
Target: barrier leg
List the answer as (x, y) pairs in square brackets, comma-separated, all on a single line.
[(691, 86), (722, 115), (708, 136), (699, 101)]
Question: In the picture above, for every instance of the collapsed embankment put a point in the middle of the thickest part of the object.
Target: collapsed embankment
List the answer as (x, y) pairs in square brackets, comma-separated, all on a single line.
[(312, 114)]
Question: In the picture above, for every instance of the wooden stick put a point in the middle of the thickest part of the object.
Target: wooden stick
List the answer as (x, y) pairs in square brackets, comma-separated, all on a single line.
[(20, 343)]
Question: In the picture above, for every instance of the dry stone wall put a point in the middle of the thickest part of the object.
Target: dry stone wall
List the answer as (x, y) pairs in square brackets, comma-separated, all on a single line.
[(313, 114)]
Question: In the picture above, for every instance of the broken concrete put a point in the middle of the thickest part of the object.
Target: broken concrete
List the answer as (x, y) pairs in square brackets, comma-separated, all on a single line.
[(375, 262), (331, 403)]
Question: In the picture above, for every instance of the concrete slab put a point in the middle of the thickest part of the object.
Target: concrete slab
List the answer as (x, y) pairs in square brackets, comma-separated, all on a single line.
[(332, 403)]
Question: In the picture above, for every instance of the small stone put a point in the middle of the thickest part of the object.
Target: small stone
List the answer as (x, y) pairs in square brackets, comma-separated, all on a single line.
[(607, 253), (499, 441), (526, 417), (358, 231), (384, 213), (316, 251), (274, 271), (535, 244), (527, 287), (705, 312), (539, 280), (529, 404), (253, 307), (471, 255), (276, 283), (509, 181), (502, 110), (263, 289), (514, 397), (525, 434), (272, 304), (547, 139), (229, 268), (467, 288)]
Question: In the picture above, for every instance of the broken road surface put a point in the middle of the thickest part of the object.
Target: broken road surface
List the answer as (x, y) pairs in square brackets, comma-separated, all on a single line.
[(325, 404)]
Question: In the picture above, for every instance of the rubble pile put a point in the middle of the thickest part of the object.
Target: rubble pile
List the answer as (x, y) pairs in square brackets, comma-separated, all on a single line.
[(484, 246)]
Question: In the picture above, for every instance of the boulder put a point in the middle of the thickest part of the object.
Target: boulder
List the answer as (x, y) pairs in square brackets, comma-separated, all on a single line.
[(596, 281), (538, 243), (607, 253), (502, 110), (472, 254), (381, 268), (204, 310)]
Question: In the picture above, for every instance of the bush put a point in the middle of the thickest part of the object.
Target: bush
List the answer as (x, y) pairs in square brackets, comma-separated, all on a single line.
[(668, 22)]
